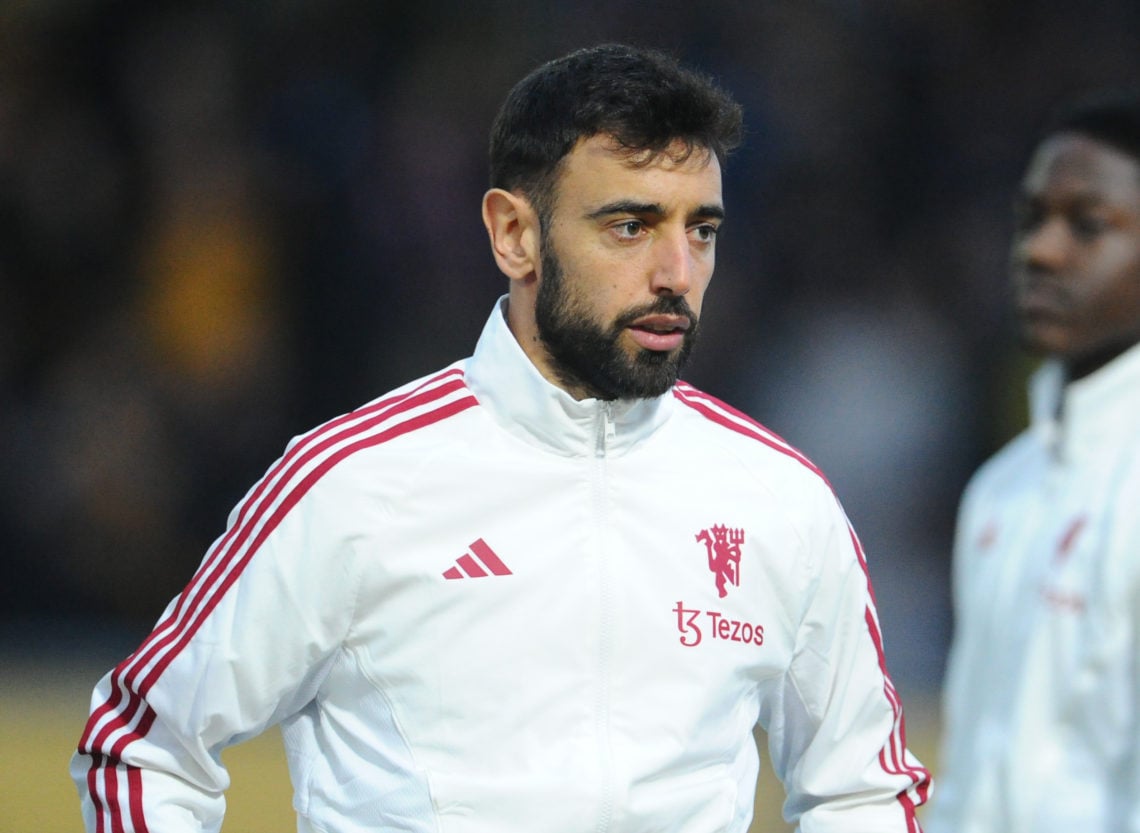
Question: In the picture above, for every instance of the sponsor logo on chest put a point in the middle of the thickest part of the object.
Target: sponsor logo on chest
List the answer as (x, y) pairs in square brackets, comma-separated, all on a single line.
[(694, 624), (697, 625)]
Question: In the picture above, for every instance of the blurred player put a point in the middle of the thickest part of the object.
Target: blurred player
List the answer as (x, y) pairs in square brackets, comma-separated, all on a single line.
[(1042, 700)]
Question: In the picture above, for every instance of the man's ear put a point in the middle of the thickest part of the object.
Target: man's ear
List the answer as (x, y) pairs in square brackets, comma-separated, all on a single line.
[(512, 225)]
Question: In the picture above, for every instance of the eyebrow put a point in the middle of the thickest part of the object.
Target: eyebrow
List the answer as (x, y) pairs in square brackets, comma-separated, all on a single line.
[(711, 211)]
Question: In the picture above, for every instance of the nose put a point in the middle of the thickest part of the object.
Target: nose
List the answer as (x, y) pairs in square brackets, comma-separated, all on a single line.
[(1046, 246), (672, 266)]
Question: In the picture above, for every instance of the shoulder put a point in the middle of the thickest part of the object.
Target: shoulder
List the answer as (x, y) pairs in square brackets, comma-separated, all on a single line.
[(360, 454), (724, 426), (416, 406), (1020, 461), (408, 417), (724, 430)]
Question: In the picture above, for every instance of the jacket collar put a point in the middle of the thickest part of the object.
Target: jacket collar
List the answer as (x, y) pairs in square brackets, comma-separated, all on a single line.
[(519, 398), (1102, 409)]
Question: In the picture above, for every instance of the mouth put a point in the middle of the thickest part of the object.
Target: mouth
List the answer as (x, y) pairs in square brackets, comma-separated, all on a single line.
[(1040, 295), (660, 332), (1037, 302)]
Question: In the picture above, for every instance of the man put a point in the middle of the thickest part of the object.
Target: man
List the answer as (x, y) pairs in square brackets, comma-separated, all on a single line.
[(1042, 698), (549, 588)]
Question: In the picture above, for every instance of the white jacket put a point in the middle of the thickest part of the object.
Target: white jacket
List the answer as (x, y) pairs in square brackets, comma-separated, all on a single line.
[(1042, 699), (477, 605)]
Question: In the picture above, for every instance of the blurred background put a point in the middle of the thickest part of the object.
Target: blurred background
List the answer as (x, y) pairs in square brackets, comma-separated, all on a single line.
[(223, 223)]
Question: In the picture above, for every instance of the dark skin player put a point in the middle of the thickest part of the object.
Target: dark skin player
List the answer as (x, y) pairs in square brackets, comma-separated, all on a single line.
[(1076, 252)]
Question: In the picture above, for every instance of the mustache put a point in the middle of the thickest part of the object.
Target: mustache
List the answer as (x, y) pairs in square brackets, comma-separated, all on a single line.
[(663, 305)]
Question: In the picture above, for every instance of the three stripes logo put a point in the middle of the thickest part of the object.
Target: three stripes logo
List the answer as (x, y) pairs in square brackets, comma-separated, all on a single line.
[(479, 561)]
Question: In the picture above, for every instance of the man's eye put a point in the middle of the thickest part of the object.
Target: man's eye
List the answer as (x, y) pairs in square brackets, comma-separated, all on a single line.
[(629, 228), (1086, 227), (706, 233)]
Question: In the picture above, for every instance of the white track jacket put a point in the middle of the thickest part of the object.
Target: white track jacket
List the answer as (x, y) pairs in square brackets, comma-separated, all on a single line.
[(476, 605), (1042, 699)]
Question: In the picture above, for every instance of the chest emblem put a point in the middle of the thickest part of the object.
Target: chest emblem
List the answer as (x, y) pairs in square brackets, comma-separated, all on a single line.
[(723, 548), (987, 537), (1069, 539)]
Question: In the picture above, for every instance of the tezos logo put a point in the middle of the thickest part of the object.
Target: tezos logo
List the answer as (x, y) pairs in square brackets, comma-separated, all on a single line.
[(719, 626)]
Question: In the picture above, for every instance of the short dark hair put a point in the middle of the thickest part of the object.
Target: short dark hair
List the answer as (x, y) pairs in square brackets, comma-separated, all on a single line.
[(1108, 116), (643, 98)]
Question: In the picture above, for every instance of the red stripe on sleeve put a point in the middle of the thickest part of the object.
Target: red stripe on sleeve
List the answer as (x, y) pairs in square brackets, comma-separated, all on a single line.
[(892, 757), (96, 796), (168, 632), (309, 445), (267, 504), (111, 781), (134, 790)]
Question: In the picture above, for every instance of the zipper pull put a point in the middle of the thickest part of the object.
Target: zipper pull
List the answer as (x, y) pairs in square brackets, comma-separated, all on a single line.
[(607, 430)]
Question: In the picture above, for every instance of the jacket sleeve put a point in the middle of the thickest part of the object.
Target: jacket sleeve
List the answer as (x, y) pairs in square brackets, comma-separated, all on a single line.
[(837, 738), (1126, 548), (245, 644), (1132, 787)]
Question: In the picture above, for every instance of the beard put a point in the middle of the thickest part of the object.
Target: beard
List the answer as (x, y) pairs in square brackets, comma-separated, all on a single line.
[(587, 356)]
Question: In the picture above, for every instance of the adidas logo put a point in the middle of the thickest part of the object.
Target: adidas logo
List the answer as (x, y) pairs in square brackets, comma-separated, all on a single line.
[(479, 560)]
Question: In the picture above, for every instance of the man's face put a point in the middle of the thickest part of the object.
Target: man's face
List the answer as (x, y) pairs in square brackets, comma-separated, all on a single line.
[(627, 254), (1076, 253)]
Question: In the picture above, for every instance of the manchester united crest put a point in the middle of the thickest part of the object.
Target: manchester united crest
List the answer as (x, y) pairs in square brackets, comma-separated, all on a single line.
[(723, 547)]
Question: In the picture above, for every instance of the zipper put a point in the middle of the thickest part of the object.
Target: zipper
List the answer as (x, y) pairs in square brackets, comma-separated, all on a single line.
[(605, 433)]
